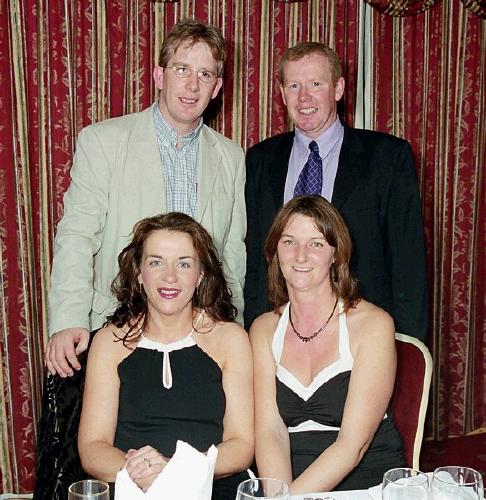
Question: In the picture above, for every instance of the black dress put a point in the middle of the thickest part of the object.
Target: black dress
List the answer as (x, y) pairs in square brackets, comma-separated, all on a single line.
[(313, 415), (171, 392)]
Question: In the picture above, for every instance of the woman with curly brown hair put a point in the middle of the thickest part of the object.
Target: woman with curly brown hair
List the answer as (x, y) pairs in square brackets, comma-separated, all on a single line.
[(170, 364)]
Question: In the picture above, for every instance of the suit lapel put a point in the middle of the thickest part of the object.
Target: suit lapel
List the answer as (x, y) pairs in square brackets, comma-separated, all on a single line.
[(145, 150), (208, 167), (280, 167), (349, 168)]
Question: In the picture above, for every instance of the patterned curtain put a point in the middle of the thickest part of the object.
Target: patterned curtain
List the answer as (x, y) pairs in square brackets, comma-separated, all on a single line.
[(66, 64), (430, 87)]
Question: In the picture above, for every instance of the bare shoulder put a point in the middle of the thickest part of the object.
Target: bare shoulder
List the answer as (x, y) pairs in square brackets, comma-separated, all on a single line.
[(370, 322), (229, 332), (107, 335), (264, 326), (107, 343), (223, 341)]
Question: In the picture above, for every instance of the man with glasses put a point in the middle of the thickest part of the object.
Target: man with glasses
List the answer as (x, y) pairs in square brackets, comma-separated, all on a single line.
[(159, 160)]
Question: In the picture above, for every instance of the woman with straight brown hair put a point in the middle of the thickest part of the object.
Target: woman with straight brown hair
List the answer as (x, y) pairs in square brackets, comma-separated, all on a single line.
[(324, 361)]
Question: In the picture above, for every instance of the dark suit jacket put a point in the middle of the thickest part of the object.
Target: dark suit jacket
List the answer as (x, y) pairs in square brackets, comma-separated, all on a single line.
[(377, 194)]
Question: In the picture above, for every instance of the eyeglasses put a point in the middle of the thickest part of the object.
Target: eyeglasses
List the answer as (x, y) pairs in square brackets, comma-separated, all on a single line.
[(203, 75)]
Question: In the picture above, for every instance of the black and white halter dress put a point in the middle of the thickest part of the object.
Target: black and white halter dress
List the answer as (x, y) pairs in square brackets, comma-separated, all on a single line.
[(169, 392), (313, 414)]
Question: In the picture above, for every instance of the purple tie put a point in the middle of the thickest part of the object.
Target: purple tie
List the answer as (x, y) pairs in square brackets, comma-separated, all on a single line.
[(310, 178)]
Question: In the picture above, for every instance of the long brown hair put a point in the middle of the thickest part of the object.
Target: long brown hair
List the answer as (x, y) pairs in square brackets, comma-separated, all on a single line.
[(212, 294), (332, 226)]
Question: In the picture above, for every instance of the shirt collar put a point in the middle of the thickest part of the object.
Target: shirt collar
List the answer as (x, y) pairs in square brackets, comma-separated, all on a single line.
[(325, 141), (168, 135)]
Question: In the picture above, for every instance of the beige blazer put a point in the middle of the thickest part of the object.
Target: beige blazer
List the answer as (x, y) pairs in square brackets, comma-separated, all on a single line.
[(116, 180)]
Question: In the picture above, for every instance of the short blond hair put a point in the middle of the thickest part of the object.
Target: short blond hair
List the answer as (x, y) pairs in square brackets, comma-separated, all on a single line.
[(303, 49)]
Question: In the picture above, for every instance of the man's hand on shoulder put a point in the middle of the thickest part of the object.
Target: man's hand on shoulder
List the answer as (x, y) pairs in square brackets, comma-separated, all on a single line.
[(63, 348)]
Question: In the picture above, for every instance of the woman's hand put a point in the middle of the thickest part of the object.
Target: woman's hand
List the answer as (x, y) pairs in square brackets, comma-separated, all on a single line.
[(144, 465)]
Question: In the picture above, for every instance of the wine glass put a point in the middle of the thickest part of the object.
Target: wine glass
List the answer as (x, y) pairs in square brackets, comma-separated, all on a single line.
[(455, 482), (405, 483), (89, 489), (271, 489)]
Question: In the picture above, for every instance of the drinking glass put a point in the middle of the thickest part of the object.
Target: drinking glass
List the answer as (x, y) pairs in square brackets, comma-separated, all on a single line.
[(456, 483), (89, 489), (404, 483), (271, 489)]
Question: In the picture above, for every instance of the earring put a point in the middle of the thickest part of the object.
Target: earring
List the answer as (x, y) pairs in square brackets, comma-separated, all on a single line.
[(333, 272), (140, 287), (197, 288)]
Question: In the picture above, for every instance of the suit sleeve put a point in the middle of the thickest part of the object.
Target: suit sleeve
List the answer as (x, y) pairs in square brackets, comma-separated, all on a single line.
[(78, 236), (407, 249), (234, 253), (254, 250)]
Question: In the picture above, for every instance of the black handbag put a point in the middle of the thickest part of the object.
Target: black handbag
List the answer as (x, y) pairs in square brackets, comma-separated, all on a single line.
[(58, 464)]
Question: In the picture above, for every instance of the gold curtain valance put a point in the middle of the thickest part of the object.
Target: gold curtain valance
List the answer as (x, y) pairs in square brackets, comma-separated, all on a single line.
[(400, 8)]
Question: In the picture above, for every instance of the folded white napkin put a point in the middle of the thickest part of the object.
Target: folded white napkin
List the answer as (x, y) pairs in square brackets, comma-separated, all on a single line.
[(187, 476)]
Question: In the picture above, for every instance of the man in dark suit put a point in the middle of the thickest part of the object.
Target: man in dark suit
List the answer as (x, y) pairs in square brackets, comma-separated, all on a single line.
[(369, 176)]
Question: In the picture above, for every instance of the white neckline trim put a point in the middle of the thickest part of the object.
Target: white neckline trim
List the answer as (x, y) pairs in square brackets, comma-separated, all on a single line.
[(343, 364), (147, 343), (177, 345)]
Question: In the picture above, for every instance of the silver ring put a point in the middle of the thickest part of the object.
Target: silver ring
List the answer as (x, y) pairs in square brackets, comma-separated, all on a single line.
[(148, 461)]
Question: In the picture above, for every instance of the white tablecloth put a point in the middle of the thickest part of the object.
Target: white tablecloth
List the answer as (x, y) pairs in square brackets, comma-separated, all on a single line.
[(337, 495)]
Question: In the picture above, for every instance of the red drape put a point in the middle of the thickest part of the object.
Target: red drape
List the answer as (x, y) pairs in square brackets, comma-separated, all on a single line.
[(64, 65), (429, 87)]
